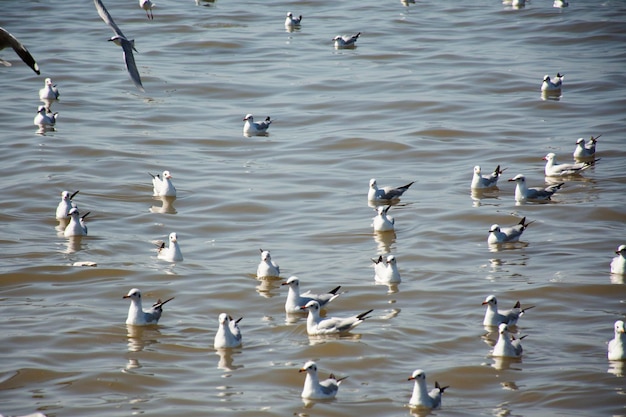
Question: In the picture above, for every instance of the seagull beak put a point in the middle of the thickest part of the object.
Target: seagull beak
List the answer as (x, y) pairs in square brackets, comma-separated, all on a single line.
[(301, 370), (411, 379), (484, 302), (125, 296)]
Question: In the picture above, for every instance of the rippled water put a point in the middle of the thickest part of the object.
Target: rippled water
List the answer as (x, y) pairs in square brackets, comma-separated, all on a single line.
[(432, 89)]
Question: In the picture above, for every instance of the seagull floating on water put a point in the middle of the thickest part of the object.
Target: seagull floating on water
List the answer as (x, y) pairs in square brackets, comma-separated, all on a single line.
[(386, 271), (128, 45), (45, 118), (6, 39), (507, 346), (228, 333), (499, 234), (560, 4), (76, 226), (486, 181), (314, 389), (383, 222), (617, 346), (421, 397), (147, 5), (171, 253), (292, 21), (163, 187), (316, 325), (267, 267), (295, 300), (554, 169), (495, 317), (252, 128), (346, 41), (376, 194), (552, 87), (137, 316), (618, 264), (65, 205), (523, 193), (49, 92), (585, 150)]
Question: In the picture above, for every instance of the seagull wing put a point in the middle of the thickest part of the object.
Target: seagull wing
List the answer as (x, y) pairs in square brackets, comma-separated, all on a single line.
[(129, 59), (104, 14), (6, 39)]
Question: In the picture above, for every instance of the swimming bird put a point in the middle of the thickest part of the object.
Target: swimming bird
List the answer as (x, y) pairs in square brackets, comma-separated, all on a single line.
[(495, 317), (499, 234), (376, 194), (560, 3), (6, 39), (316, 390), (49, 92), (228, 333), (617, 346), (346, 41), (147, 5), (383, 222), (44, 117), (128, 45), (163, 187), (486, 181), (548, 86), (292, 21), (76, 226), (386, 271), (518, 4), (65, 205), (251, 128), (316, 325), (137, 316), (554, 169), (267, 267), (295, 300), (618, 264), (507, 346), (585, 150), (421, 397), (523, 193), (171, 253)]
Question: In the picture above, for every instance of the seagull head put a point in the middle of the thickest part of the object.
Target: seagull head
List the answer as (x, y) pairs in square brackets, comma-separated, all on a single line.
[(312, 306), (546, 78), (133, 294), (619, 327), (503, 329), (173, 237), (391, 259), (293, 282), (491, 299), (309, 366), (580, 141), (223, 318), (550, 157), (477, 170), (494, 228), (518, 178), (248, 117), (621, 250), (418, 375), (166, 174), (265, 255)]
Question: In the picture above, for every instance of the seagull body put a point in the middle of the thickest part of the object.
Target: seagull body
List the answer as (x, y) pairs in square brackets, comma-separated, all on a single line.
[(346, 41), (560, 3), (554, 169), (292, 21), (252, 128), (65, 205), (228, 333), (495, 317), (383, 222), (119, 39), (376, 194), (171, 253), (267, 267), (6, 39), (499, 234), (163, 187), (147, 5), (76, 226), (548, 86), (618, 264), (585, 150), (386, 271), (518, 4), (486, 181), (506, 346), (523, 193), (137, 316), (617, 346), (49, 92), (295, 300), (314, 389), (44, 117), (421, 397), (316, 325)]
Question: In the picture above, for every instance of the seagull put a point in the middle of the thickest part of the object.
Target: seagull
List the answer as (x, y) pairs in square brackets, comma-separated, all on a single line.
[(618, 264), (499, 234), (316, 390), (585, 150), (251, 128), (228, 334), (495, 317), (76, 226), (617, 345), (560, 3), (507, 346), (119, 39), (65, 205), (316, 325), (292, 21), (49, 92), (346, 41), (548, 86), (421, 397), (44, 117), (523, 193), (171, 253), (163, 187), (295, 300), (518, 4), (382, 222), (147, 5), (267, 267), (6, 39), (376, 194), (386, 271), (137, 316), (486, 181), (554, 169)]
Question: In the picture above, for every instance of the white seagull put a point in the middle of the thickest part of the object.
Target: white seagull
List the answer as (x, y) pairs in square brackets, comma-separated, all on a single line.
[(295, 300), (499, 234), (252, 128), (292, 21), (617, 346), (382, 222), (44, 117), (316, 390), (171, 253), (507, 346), (386, 271), (495, 317), (421, 397), (486, 181), (376, 194), (76, 226), (560, 4), (137, 316), (618, 264), (554, 169), (523, 193), (267, 267), (128, 45), (65, 205), (585, 150), (548, 86), (228, 333), (147, 5), (316, 325), (49, 92), (163, 187), (346, 41), (6, 39)]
